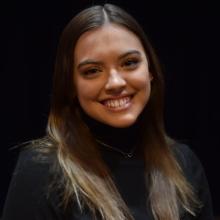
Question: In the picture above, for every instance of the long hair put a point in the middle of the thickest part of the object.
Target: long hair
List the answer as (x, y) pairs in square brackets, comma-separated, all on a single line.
[(86, 177)]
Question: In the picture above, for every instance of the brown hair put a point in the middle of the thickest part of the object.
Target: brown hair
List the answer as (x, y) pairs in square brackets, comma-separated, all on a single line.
[(92, 185)]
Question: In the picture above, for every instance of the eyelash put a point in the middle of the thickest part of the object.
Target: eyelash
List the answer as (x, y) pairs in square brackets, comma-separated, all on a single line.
[(90, 72), (131, 63)]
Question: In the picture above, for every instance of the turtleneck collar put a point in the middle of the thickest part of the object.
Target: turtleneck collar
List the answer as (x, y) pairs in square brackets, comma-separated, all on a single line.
[(122, 138)]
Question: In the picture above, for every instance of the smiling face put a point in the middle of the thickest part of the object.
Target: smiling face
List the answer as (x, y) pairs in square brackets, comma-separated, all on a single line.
[(111, 75)]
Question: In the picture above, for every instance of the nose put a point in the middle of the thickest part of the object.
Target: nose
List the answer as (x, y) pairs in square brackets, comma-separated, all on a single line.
[(115, 82)]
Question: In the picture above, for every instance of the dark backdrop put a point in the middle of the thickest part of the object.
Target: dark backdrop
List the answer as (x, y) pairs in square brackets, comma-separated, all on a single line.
[(185, 37)]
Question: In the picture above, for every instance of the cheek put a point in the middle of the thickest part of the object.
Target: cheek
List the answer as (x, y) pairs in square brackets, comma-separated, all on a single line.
[(141, 81), (86, 90)]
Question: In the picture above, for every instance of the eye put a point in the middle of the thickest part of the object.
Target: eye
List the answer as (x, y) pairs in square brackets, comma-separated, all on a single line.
[(131, 63), (91, 72)]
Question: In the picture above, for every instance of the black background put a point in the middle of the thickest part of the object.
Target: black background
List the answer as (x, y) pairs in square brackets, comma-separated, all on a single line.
[(186, 39)]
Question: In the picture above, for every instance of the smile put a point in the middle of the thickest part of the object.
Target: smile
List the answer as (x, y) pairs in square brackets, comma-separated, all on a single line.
[(118, 104)]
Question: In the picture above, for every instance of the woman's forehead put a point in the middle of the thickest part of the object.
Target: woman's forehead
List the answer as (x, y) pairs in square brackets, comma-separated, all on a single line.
[(109, 38)]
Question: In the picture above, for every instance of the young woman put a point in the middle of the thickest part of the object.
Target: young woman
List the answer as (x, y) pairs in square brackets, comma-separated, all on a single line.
[(106, 154)]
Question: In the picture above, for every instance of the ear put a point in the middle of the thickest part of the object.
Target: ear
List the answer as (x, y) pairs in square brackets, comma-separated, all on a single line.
[(151, 76)]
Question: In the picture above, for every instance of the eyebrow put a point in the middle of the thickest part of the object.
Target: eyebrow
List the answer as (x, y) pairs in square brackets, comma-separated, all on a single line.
[(130, 52), (87, 62), (90, 61)]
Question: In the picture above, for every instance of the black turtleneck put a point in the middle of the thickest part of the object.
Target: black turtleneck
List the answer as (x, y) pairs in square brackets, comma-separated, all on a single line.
[(128, 173), (28, 192), (124, 139)]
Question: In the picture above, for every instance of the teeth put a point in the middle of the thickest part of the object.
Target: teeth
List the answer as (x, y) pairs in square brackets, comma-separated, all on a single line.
[(115, 103)]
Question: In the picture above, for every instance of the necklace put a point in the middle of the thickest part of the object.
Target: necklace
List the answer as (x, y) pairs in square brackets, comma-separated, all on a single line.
[(125, 154)]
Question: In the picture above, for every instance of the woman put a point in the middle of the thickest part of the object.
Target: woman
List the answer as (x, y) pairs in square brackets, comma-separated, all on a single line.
[(106, 154)]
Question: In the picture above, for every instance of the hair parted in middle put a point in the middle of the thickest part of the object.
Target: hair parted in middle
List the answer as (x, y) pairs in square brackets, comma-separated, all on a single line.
[(86, 176)]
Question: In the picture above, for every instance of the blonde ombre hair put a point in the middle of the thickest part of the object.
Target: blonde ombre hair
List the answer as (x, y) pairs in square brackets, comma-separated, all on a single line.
[(86, 176)]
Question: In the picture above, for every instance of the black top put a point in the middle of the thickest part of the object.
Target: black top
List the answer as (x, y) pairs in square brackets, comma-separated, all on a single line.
[(27, 197), (28, 192)]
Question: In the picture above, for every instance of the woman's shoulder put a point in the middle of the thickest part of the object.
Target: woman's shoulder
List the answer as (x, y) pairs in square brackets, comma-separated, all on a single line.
[(30, 183), (190, 164), (195, 173), (35, 159), (185, 155), (33, 168)]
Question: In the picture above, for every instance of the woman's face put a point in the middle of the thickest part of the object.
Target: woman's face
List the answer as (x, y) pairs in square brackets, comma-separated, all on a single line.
[(111, 75)]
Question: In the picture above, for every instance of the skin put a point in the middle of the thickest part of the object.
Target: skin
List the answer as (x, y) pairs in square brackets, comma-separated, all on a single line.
[(111, 75)]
